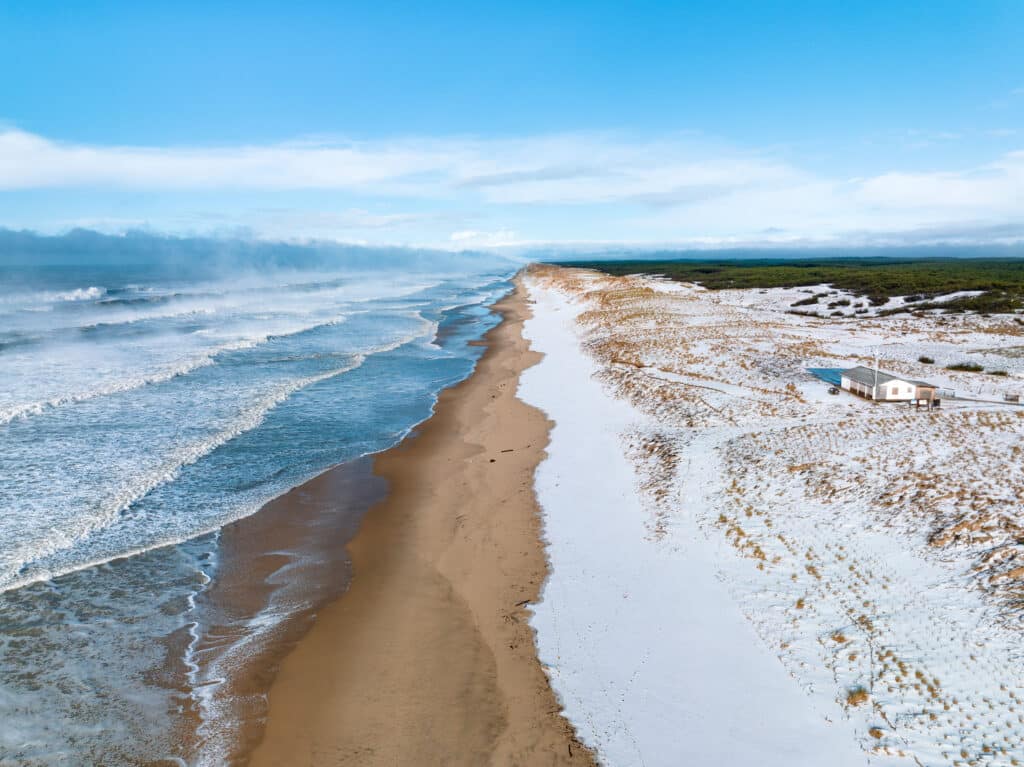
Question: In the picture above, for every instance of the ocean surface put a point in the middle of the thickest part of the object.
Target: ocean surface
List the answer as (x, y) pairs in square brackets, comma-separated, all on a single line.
[(142, 408)]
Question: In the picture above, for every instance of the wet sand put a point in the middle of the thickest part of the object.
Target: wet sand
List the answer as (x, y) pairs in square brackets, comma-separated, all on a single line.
[(277, 568), (428, 659)]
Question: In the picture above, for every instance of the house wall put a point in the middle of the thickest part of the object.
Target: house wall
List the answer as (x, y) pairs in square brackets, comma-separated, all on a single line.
[(854, 386), (904, 391)]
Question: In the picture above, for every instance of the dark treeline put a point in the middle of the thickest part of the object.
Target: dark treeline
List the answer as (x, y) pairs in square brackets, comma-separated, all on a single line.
[(877, 278)]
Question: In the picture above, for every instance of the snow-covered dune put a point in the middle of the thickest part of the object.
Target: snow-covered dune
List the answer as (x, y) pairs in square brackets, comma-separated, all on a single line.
[(746, 570), (653, 660)]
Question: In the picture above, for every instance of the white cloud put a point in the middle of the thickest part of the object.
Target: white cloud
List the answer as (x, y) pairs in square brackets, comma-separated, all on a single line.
[(576, 168), (29, 161), (980, 200), (552, 187), (350, 218), (471, 238), (997, 188)]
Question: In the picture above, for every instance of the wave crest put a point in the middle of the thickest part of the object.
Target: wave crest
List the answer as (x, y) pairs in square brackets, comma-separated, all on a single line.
[(80, 294)]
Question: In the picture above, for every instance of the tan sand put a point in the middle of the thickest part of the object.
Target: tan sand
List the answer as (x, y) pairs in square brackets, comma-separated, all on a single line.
[(429, 659), (290, 559)]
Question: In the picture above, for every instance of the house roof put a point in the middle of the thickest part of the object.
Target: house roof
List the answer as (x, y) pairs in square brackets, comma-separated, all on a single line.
[(866, 376)]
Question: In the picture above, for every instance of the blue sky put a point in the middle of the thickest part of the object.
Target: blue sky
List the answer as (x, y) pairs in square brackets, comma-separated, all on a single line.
[(472, 124)]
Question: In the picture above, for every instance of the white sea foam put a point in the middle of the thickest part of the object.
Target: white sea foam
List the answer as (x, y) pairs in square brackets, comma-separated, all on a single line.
[(16, 563), (80, 294), (138, 486), (160, 375), (98, 478), (306, 310), (44, 300)]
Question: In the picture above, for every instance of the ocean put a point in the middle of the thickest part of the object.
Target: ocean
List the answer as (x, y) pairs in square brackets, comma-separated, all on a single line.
[(145, 407)]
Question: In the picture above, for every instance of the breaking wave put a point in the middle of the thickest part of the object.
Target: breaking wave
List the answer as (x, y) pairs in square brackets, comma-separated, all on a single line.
[(162, 375), (138, 487), (80, 294)]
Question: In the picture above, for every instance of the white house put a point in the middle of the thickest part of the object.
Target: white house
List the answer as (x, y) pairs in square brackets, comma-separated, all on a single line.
[(874, 384)]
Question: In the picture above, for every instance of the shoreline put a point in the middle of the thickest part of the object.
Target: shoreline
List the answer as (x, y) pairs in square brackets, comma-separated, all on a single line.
[(207, 618), (276, 568), (429, 657)]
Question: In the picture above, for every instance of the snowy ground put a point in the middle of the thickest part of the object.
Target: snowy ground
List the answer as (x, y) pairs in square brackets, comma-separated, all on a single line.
[(827, 301), (747, 570)]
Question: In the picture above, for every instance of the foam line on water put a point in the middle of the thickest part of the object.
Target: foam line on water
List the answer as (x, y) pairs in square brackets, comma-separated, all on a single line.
[(138, 488), (169, 468), (162, 375)]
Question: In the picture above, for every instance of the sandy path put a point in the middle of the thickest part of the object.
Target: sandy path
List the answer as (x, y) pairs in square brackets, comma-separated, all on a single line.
[(429, 659)]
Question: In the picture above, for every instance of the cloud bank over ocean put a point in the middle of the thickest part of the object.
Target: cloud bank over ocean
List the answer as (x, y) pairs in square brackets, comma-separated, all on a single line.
[(227, 254)]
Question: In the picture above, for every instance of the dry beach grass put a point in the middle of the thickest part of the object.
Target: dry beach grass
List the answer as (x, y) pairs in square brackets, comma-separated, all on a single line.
[(877, 548)]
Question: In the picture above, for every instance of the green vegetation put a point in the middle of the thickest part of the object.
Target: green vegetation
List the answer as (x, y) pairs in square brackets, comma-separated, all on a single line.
[(926, 360), (1001, 280), (992, 302), (809, 300), (966, 367), (997, 372)]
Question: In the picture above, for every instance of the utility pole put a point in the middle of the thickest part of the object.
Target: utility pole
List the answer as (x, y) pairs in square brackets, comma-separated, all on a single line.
[(874, 391)]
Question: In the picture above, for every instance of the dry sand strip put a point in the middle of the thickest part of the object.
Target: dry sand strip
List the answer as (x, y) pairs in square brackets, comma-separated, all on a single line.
[(428, 659)]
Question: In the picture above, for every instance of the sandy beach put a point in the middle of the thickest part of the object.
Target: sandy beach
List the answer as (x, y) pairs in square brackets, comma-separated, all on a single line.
[(429, 658), (287, 560)]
